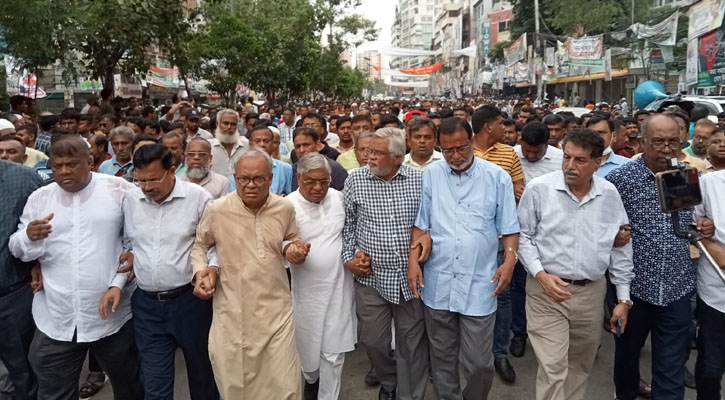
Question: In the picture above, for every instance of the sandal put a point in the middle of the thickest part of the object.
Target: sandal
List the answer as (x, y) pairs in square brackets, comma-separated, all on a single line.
[(93, 385), (645, 389)]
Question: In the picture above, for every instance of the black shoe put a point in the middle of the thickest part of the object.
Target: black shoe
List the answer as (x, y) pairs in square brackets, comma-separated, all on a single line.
[(311, 390), (504, 369), (371, 379), (385, 394), (518, 346), (689, 379)]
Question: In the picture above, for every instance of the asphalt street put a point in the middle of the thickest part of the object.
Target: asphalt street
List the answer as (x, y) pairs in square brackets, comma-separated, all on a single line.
[(600, 386)]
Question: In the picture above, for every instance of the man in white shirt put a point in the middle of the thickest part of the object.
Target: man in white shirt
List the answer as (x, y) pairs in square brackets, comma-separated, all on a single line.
[(227, 146), (322, 289), (569, 220), (537, 159), (198, 168), (161, 219), (710, 296), (74, 229), (421, 137)]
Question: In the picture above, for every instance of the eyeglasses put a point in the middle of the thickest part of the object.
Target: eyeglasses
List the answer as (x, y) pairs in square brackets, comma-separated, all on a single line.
[(660, 144), (313, 126), (460, 150), (315, 182), (152, 183), (194, 154), (257, 180), (377, 153)]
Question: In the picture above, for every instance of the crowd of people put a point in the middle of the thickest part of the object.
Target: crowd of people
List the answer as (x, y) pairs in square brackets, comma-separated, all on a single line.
[(266, 242)]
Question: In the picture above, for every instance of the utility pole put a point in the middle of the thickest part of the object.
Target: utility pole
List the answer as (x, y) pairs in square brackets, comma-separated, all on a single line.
[(537, 50)]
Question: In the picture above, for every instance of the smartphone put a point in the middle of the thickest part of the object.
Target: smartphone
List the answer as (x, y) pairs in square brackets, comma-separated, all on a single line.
[(619, 327), (678, 189)]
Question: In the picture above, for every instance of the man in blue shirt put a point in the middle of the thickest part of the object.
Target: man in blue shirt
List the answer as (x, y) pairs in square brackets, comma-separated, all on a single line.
[(466, 202), (261, 136), (121, 139), (605, 127), (664, 276)]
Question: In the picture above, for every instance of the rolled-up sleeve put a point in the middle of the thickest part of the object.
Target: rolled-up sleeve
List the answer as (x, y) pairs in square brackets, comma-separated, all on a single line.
[(529, 219)]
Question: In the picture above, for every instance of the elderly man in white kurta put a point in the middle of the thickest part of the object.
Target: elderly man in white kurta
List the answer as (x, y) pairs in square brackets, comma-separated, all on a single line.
[(322, 288)]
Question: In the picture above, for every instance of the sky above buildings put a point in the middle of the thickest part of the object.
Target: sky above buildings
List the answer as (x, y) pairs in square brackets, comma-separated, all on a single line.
[(383, 13)]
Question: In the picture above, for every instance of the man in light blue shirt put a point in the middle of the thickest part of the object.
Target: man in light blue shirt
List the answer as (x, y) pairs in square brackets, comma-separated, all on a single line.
[(466, 202), (261, 136), (121, 139), (605, 127)]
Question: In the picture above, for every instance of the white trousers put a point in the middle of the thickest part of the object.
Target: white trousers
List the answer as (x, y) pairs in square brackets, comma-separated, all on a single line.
[(329, 374)]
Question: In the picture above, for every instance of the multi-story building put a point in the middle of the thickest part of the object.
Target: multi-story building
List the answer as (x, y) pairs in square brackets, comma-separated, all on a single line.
[(412, 28), (367, 61)]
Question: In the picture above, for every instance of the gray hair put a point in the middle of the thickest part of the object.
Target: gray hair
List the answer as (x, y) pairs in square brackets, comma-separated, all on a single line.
[(366, 134), (312, 161), (395, 138), (120, 130), (254, 152), (646, 122), (226, 111)]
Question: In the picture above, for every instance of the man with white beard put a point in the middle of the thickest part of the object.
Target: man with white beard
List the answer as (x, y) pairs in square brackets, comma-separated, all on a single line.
[(198, 168), (322, 288), (227, 146)]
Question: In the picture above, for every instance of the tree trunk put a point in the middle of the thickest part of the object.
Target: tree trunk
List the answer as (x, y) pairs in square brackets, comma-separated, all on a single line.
[(108, 81)]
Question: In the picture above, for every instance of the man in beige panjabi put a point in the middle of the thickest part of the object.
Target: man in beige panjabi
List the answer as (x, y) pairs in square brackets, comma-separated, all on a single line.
[(251, 341)]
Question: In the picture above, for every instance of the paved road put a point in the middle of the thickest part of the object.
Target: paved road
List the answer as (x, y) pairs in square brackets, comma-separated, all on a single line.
[(356, 366)]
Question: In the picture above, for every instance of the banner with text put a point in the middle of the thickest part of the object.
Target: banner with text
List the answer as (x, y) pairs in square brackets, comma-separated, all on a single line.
[(705, 16), (711, 60), (515, 52)]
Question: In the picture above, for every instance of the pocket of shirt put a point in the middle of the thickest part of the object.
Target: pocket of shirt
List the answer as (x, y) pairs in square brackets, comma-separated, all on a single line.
[(478, 220)]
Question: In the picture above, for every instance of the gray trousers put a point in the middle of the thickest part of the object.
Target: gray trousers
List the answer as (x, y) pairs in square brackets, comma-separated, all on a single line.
[(408, 371), (450, 335), (58, 365)]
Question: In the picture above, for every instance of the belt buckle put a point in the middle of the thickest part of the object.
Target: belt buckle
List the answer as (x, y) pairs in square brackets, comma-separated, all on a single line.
[(162, 297)]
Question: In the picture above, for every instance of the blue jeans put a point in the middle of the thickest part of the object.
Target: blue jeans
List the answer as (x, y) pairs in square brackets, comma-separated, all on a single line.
[(710, 363), (670, 329), (518, 300), (161, 328)]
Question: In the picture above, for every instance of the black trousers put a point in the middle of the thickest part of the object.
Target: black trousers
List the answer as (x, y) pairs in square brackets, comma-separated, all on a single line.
[(58, 364), (16, 334)]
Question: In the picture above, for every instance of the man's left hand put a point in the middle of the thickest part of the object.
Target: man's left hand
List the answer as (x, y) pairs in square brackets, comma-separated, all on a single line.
[(621, 311), (296, 252), (125, 263), (503, 275), (112, 298), (705, 227)]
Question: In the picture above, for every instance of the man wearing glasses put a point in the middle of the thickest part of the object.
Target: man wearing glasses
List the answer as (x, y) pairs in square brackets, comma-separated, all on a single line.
[(198, 163), (317, 123), (251, 342), (307, 140), (167, 315)]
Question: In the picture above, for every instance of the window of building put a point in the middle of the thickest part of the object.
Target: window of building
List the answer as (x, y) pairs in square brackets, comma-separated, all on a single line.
[(503, 26)]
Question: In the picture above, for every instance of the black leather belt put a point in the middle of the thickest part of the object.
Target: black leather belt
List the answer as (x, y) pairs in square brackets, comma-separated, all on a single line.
[(168, 295), (12, 288), (581, 282)]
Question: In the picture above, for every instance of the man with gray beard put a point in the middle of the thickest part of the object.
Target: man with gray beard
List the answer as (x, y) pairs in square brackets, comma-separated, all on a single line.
[(227, 146), (198, 162)]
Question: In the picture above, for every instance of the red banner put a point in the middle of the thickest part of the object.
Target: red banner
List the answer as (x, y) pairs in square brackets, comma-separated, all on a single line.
[(423, 70)]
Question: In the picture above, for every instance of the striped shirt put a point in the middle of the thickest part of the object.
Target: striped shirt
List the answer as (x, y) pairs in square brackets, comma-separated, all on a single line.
[(505, 157)]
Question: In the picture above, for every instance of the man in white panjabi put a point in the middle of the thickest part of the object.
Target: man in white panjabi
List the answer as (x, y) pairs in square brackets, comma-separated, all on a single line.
[(322, 288)]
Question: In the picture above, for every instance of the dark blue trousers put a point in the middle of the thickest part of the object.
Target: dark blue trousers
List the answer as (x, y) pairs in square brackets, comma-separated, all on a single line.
[(16, 334), (161, 328), (518, 300), (710, 363), (670, 329)]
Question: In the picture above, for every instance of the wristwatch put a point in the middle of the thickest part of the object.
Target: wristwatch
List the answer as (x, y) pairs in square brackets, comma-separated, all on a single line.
[(627, 302)]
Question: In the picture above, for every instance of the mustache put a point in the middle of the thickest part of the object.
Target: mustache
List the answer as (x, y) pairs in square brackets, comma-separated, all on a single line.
[(571, 172)]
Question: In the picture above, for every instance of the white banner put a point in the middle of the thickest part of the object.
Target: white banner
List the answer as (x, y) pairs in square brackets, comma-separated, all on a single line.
[(608, 65), (664, 33), (403, 52), (469, 51), (398, 74), (692, 62), (421, 84), (586, 48)]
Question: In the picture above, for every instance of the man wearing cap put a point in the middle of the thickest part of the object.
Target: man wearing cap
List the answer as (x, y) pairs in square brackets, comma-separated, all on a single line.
[(6, 127), (193, 129), (411, 114)]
